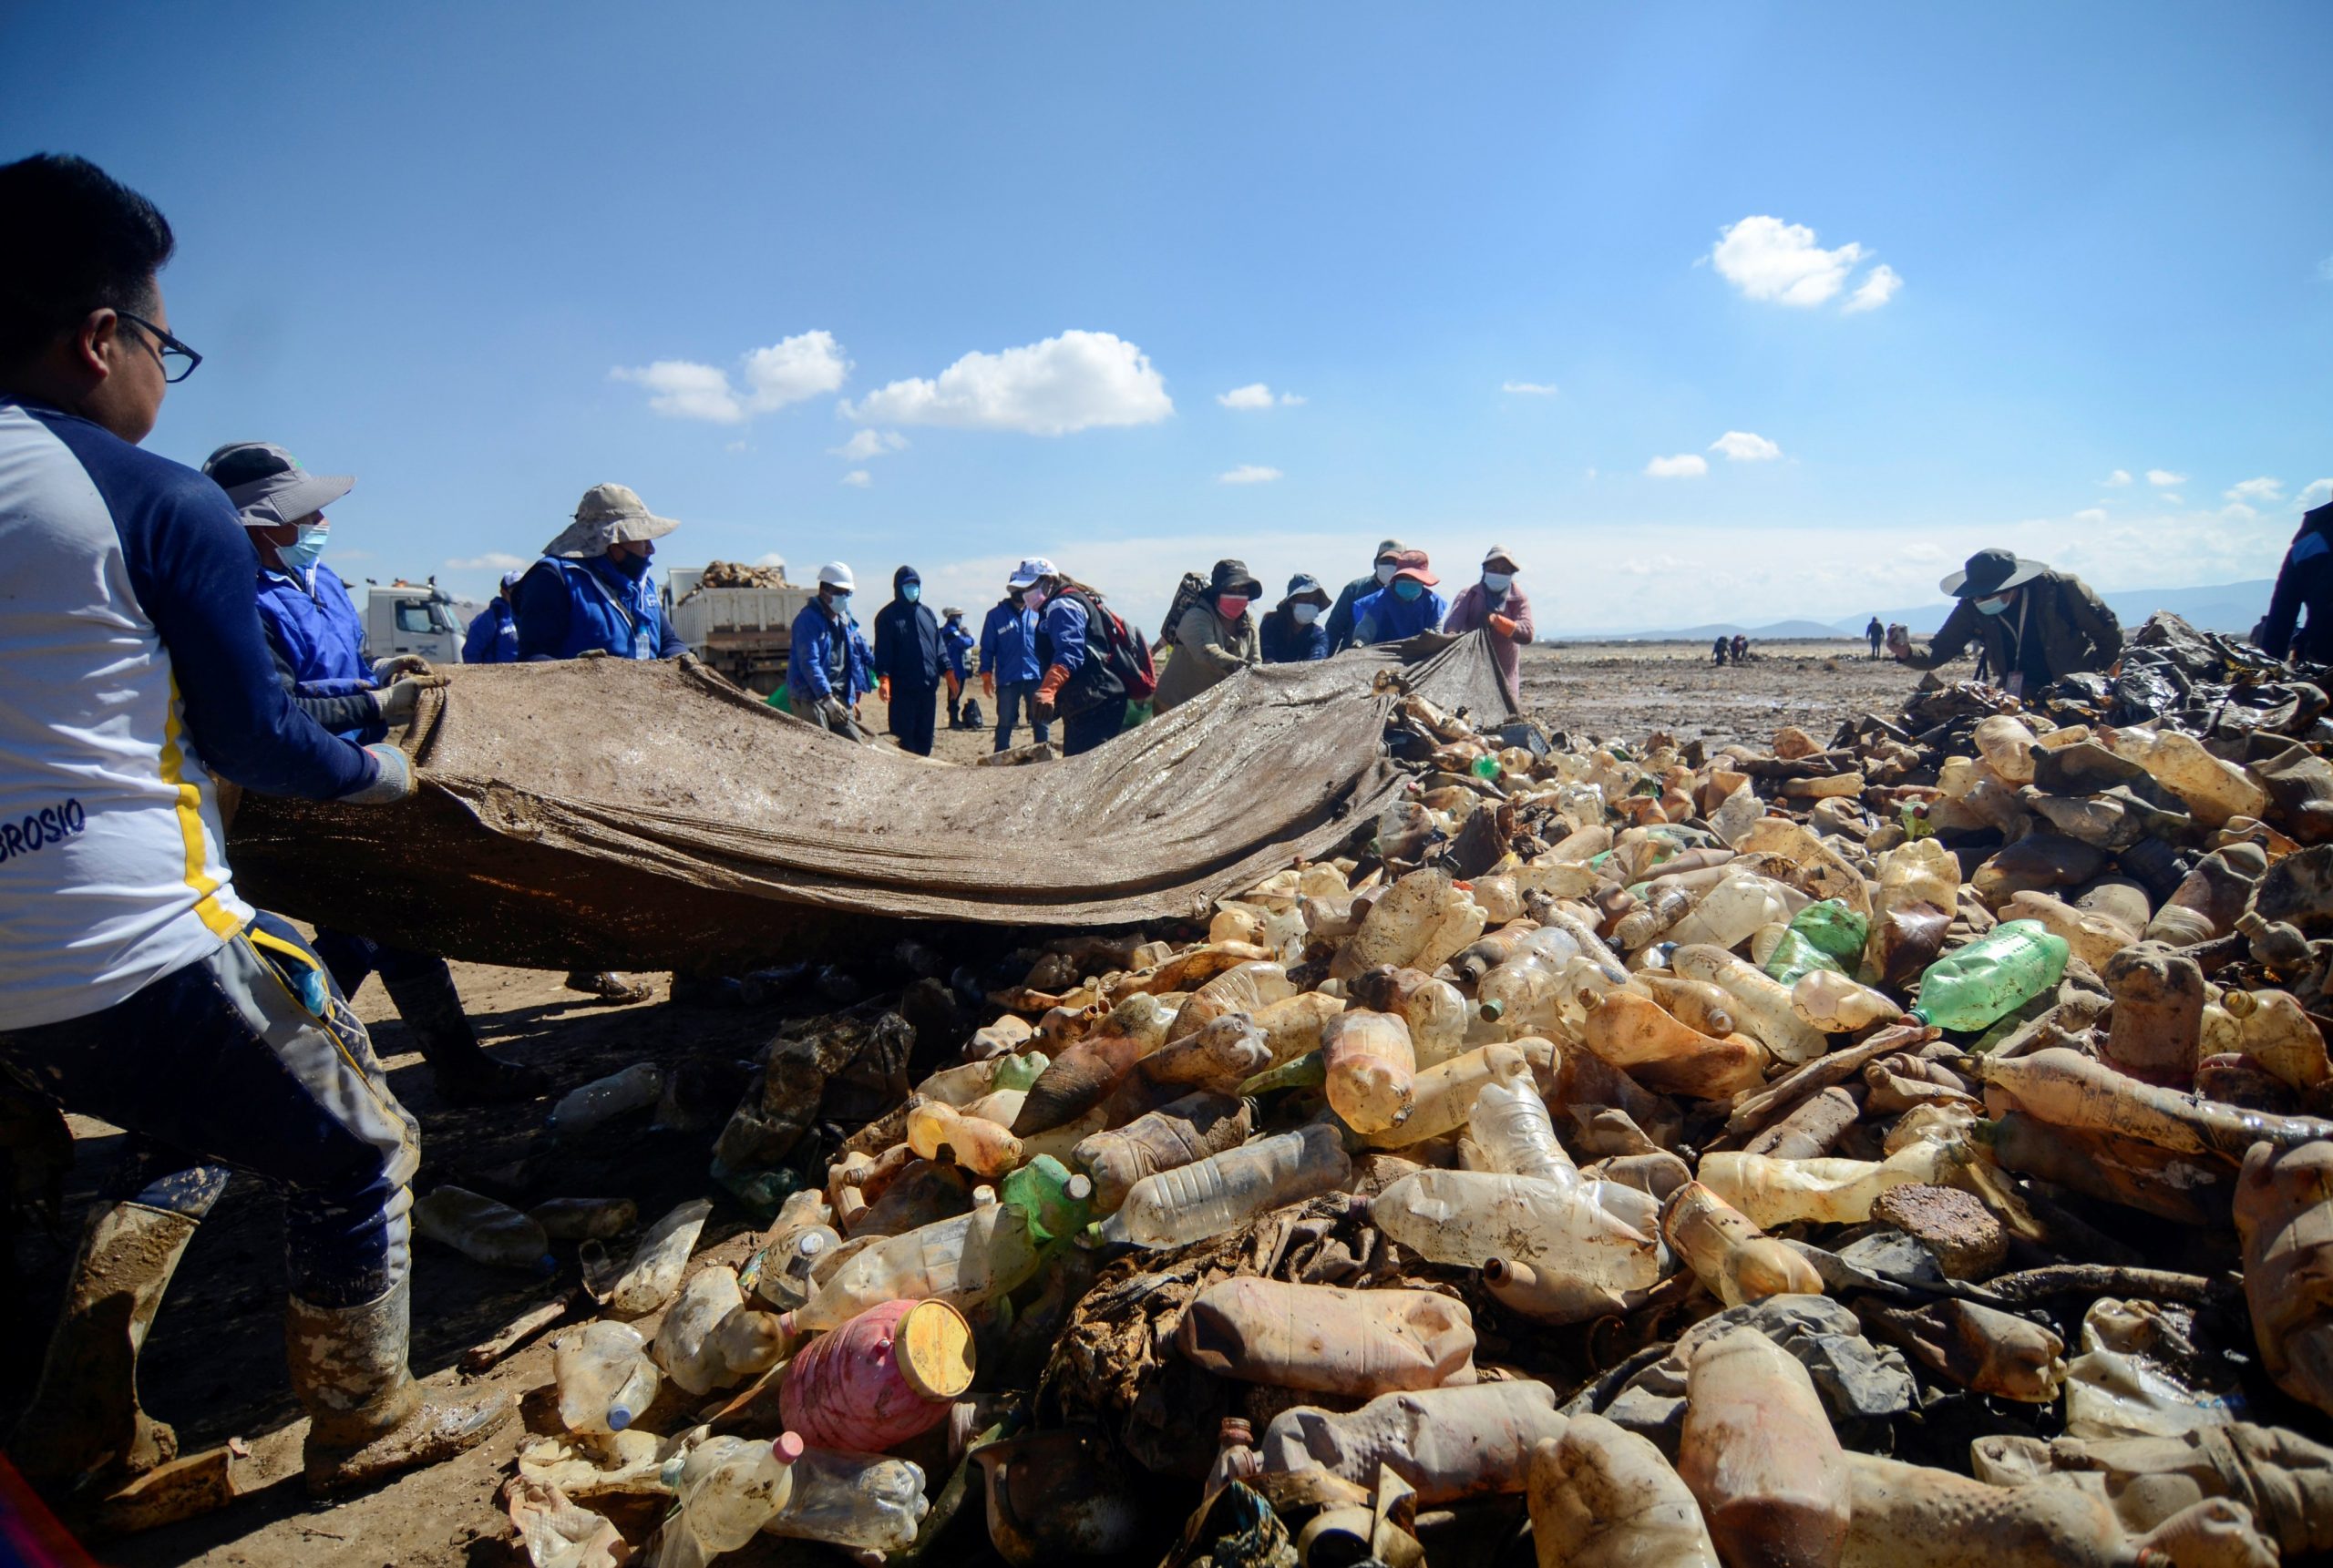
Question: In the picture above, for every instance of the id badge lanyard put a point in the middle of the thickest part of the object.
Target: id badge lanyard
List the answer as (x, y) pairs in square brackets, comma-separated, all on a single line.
[(643, 641)]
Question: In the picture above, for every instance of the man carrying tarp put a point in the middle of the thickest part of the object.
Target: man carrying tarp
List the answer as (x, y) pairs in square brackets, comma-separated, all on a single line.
[(1341, 614), (2034, 625), (136, 985)]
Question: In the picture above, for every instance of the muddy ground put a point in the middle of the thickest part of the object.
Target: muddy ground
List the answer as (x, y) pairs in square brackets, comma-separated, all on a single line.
[(214, 1364)]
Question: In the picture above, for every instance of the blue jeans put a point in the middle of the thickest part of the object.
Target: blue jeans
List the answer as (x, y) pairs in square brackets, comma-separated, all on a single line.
[(1012, 697), (220, 1065), (1081, 733)]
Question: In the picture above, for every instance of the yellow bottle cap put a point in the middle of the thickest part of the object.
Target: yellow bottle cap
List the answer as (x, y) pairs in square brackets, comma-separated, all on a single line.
[(933, 1349)]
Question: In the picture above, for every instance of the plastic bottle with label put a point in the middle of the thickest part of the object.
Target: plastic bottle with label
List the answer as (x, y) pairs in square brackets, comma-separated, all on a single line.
[(604, 1376), (1210, 1196), (1990, 978), (482, 1230), (604, 1099)]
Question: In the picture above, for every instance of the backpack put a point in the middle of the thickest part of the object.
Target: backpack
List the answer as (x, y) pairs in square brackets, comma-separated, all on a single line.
[(1187, 594), (1114, 652)]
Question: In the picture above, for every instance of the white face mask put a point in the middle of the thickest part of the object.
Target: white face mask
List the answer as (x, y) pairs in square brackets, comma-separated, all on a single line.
[(1306, 613), (1498, 581), (1993, 606), (1386, 570), (1032, 598)]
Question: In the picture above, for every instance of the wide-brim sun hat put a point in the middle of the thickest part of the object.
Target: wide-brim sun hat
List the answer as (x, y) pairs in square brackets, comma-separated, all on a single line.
[(1415, 564), (1987, 572), (268, 486), (608, 514), (1501, 553), (1233, 577), (1302, 587)]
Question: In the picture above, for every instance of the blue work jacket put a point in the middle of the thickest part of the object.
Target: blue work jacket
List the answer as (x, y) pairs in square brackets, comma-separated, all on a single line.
[(1386, 617), (493, 636), (568, 607), (1009, 645), (314, 629), (810, 662)]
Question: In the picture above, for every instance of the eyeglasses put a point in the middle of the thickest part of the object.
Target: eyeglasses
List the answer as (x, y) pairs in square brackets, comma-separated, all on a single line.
[(178, 360)]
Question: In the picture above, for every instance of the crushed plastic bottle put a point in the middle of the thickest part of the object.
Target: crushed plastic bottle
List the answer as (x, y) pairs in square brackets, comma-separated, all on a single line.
[(730, 1487), (1737, 1261), (604, 1376), (984, 1147), (654, 1272), (685, 1345), (1434, 1009), (1359, 1343), (1447, 1443), (1991, 977), (1603, 1497), (1210, 1196), (482, 1230), (1759, 1453), (1463, 1218), (863, 1501), (635, 1088)]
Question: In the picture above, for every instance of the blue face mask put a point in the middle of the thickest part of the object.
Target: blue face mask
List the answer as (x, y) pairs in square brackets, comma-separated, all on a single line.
[(302, 554), (911, 591), (1407, 587), (1992, 606)]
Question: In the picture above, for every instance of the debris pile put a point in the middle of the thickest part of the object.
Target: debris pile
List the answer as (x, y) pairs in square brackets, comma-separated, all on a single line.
[(1906, 1148)]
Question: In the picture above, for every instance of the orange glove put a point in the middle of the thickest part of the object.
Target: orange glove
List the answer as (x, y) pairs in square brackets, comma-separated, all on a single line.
[(1050, 688), (1504, 626), (883, 688), (988, 684)]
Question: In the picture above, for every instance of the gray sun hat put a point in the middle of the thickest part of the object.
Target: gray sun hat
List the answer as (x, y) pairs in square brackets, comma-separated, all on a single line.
[(608, 514), (1987, 572), (268, 486)]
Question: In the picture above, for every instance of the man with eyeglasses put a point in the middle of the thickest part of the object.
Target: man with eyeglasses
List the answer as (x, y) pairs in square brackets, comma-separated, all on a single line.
[(136, 985)]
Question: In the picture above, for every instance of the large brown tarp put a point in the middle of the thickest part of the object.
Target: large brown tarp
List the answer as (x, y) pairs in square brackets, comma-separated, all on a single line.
[(620, 814)]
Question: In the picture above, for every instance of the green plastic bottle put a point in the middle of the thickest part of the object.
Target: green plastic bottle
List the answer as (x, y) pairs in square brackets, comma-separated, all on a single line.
[(1020, 1072), (1797, 955), (1057, 1202), (1834, 928), (1990, 978), (1485, 766)]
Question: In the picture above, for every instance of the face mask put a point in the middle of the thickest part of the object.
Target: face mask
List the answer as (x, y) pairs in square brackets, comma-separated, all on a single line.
[(301, 555), (1306, 613), (1498, 581), (911, 592), (837, 603), (1408, 589), (1992, 606), (1231, 607), (1033, 599), (1384, 573), (632, 566)]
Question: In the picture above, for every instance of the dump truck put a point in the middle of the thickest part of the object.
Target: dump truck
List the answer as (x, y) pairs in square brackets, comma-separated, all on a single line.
[(412, 618), (738, 619)]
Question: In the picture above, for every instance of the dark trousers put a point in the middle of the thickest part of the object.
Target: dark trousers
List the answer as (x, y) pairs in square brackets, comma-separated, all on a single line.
[(914, 714), (354, 959), (1081, 733), (1013, 698), (221, 1064)]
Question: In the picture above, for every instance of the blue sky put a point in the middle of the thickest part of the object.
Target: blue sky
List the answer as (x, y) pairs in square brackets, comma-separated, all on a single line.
[(484, 257)]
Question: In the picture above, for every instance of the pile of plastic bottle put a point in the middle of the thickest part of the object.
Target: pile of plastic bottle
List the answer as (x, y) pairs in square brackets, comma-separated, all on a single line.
[(1899, 1149)]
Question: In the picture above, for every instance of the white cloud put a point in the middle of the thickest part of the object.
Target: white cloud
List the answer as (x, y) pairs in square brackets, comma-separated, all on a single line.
[(1768, 258), (858, 478), (1073, 382), (1742, 447), (1256, 395), (1249, 473), (1878, 287), (2314, 493), (1530, 388), (2163, 478), (2118, 478), (2091, 515), (770, 557), (865, 445), (2237, 512), (2175, 500), (2261, 489), (788, 371), (493, 560), (1684, 465)]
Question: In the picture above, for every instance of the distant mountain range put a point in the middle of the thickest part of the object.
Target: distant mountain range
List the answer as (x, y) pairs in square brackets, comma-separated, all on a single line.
[(2230, 607)]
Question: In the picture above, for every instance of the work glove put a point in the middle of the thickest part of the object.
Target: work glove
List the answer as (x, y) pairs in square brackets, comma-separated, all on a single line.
[(883, 689), (833, 711), (393, 783), (397, 700), (1900, 639), (1504, 626), (388, 669), (988, 684), (1042, 705)]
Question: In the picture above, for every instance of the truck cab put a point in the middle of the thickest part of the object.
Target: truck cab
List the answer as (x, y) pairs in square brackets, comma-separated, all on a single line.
[(412, 618)]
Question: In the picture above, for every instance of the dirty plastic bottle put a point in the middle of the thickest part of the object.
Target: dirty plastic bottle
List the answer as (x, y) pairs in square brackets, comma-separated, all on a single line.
[(685, 1345), (2006, 745), (1210, 1196), (604, 1376), (1324, 1340), (2158, 1020), (1990, 978), (1636, 1034), (1370, 1067), (483, 1230), (1921, 871), (1827, 1190), (1461, 1218), (1292, 1027), (2093, 938), (1662, 908), (1397, 926), (1057, 1201), (1434, 1009), (887, 1375), (975, 1142), (1219, 1055), (1696, 1003), (1761, 1006), (1247, 987), (1176, 1135), (965, 1261), (1759, 1453), (2284, 1213), (1833, 930), (2211, 898), (1510, 1123), (1473, 1441), (1082, 1075), (1736, 907), (1525, 993), (2280, 1036), (653, 1274), (1837, 1005), (1603, 1497), (1737, 1261), (1790, 957), (2214, 790), (603, 1099), (585, 1219), (729, 1488), (782, 1274), (748, 1342), (864, 1502)]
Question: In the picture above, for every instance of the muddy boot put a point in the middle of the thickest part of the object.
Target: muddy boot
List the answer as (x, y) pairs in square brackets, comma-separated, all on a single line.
[(367, 1418), (607, 985), (466, 1075), (84, 1415)]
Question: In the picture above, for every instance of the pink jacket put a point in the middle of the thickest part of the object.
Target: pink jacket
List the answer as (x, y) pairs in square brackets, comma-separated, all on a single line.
[(1473, 612)]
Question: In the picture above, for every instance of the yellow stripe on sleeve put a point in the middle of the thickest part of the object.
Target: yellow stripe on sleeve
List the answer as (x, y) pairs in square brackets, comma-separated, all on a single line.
[(199, 874)]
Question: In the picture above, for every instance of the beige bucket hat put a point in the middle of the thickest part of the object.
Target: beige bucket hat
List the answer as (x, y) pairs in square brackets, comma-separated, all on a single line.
[(607, 514)]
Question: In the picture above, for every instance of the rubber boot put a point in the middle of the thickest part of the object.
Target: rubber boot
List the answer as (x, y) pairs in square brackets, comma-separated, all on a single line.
[(85, 1415), (607, 985), (367, 1418), (466, 1075)]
